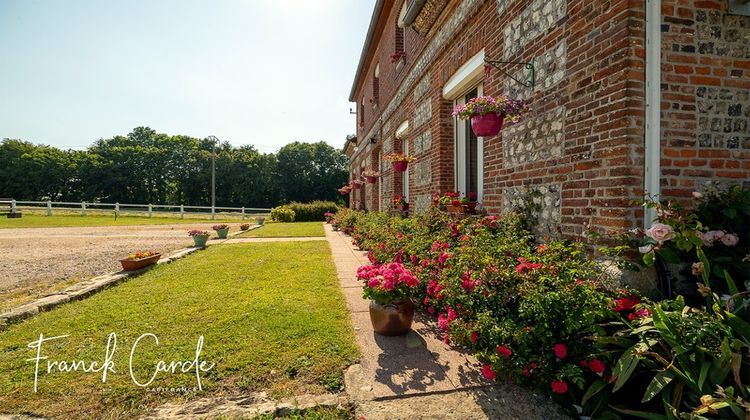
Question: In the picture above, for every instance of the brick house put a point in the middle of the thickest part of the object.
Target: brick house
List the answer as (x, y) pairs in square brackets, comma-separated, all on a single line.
[(630, 97)]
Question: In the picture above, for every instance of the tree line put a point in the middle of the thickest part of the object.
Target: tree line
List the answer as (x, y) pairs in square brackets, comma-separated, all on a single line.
[(150, 167)]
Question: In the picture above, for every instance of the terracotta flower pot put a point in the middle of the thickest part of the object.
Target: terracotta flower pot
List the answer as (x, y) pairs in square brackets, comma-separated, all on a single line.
[(456, 209), (132, 265), (200, 240), (487, 125), (393, 318), (400, 166), (372, 179)]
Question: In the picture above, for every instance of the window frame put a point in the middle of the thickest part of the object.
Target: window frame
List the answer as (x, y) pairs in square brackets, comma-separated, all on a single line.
[(460, 136)]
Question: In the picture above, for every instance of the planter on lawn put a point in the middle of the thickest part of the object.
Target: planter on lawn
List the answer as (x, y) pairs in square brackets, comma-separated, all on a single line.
[(222, 233), (400, 166), (487, 125), (137, 264), (393, 318), (260, 220), (200, 240)]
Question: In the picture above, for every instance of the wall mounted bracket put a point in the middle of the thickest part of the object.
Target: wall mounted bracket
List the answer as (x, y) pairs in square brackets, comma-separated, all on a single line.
[(529, 83)]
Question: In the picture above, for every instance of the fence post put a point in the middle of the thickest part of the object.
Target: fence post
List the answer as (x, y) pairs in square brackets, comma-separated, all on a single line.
[(213, 212), (243, 212), (12, 205), (49, 208), (117, 210), (182, 211), (83, 208), (150, 208)]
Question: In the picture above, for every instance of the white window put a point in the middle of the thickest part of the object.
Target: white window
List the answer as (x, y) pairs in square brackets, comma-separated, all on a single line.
[(468, 153)]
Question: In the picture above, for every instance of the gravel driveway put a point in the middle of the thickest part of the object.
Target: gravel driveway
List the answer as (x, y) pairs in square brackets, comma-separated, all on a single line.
[(36, 261)]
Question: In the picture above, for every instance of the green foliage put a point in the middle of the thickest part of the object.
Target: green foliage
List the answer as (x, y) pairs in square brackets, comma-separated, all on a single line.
[(149, 167), (312, 212), (282, 214), (287, 230)]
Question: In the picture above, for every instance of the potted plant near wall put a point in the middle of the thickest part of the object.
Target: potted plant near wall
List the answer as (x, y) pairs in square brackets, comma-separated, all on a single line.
[(356, 184), (200, 237), (371, 176), (471, 202), (399, 203), (400, 161), (389, 288), (140, 259), (221, 230), (488, 114)]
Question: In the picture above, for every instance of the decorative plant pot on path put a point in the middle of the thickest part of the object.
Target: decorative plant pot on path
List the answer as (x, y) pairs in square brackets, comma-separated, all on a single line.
[(372, 179), (487, 125), (132, 265), (200, 240), (260, 220), (392, 319), (222, 233), (400, 166)]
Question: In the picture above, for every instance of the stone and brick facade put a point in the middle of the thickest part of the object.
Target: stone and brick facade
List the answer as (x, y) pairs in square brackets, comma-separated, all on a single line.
[(582, 147)]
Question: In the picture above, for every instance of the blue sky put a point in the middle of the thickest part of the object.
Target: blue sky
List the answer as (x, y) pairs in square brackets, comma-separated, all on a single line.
[(248, 71)]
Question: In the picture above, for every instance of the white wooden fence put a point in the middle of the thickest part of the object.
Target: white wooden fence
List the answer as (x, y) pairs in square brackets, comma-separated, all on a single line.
[(119, 208)]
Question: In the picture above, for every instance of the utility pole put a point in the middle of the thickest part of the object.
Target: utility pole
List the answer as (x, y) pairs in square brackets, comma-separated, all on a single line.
[(214, 140)]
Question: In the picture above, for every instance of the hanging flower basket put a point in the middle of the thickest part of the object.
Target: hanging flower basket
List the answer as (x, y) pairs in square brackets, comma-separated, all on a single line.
[(356, 184), (399, 161), (488, 114), (345, 190), (139, 260), (371, 176), (487, 125)]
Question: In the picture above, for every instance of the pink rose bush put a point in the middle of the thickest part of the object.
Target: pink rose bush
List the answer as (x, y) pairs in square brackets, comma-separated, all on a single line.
[(387, 283), (521, 307)]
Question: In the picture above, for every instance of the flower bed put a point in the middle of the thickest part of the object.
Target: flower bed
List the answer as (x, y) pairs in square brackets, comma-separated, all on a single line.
[(548, 317)]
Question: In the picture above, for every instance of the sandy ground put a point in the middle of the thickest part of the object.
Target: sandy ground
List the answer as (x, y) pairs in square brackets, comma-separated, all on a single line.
[(37, 261)]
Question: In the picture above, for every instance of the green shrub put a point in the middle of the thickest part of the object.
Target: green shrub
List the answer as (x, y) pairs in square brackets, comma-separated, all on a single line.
[(282, 214), (312, 212)]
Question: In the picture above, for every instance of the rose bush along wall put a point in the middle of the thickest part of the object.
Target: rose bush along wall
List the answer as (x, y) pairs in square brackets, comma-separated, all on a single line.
[(548, 317)]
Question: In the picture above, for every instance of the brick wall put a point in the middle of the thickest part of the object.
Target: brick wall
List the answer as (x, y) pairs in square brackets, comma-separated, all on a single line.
[(705, 102), (582, 147)]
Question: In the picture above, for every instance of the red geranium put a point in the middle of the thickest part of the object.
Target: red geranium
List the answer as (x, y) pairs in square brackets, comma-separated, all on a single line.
[(559, 386), (627, 303), (488, 373), (597, 366), (504, 352), (638, 314), (560, 350)]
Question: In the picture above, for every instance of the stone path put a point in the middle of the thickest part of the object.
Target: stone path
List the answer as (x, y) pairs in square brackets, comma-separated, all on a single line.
[(417, 375)]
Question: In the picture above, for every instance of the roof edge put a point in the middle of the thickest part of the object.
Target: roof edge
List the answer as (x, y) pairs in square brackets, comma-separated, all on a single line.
[(368, 41)]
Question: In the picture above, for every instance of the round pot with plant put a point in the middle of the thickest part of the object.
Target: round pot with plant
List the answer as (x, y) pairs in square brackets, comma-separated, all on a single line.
[(200, 237), (389, 288), (488, 114)]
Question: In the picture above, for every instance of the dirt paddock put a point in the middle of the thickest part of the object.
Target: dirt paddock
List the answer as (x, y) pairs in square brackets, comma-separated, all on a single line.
[(37, 261)]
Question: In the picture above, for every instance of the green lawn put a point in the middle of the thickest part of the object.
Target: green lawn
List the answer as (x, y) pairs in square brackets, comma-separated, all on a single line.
[(272, 315), (287, 230), (37, 220)]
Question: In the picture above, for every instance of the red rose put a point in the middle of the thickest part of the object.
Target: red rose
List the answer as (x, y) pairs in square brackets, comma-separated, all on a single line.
[(626, 303), (597, 366), (504, 352), (488, 373), (474, 337), (583, 363), (559, 386), (561, 350), (525, 372)]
